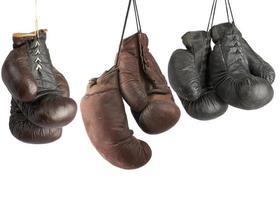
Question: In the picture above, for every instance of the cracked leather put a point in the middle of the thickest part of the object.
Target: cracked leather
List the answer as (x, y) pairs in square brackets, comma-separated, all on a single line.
[(144, 87), (106, 123), (187, 71), (240, 76)]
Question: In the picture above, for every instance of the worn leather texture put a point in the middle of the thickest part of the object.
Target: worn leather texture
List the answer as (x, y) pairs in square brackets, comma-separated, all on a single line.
[(239, 75), (187, 72), (26, 131), (144, 87), (29, 75), (106, 123)]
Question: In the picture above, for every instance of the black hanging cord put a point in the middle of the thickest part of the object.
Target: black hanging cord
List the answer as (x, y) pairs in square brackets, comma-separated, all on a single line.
[(213, 13), (124, 26), (233, 21), (125, 23), (138, 24), (227, 11)]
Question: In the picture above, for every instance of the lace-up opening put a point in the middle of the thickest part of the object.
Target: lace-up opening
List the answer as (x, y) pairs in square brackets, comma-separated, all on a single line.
[(146, 62), (34, 46), (235, 49), (201, 49), (145, 56), (45, 78)]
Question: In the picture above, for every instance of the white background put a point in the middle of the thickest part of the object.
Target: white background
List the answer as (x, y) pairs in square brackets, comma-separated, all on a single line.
[(236, 157)]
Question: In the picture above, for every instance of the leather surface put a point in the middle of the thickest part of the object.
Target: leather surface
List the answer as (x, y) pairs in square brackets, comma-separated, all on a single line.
[(35, 90), (26, 131), (131, 77), (187, 71), (105, 120), (144, 87), (240, 76)]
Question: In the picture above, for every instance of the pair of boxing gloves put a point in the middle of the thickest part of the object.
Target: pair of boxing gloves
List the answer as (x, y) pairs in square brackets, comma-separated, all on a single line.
[(206, 80), (137, 79), (40, 104)]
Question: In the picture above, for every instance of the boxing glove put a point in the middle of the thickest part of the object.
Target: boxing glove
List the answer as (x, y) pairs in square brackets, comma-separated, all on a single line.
[(240, 76), (26, 131), (144, 87), (105, 121), (28, 74), (187, 72)]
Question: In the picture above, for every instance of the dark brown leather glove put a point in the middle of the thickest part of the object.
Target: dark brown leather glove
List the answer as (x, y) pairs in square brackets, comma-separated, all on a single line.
[(26, 131), (106, 123), (144, 87), (29, 75), (40, 103)]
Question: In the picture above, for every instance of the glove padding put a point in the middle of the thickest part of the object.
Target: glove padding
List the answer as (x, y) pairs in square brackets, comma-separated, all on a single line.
[(187, 71), (26, 131), (144, 87), (29, 76), (240, 76), (105, 120)]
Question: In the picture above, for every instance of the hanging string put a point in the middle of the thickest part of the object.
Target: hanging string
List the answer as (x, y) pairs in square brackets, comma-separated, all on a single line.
[(125, 23), (227, 11), (124, 26), (36, 19), (138, 24), (213, 13)]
